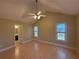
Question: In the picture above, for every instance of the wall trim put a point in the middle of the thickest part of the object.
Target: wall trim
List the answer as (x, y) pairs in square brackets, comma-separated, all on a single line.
[(27, 41), (64, 46), (7, 48)]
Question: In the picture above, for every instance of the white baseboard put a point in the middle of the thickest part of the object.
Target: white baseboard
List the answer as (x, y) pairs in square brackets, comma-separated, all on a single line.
[(64, 46), (27, 41), (1, 50)]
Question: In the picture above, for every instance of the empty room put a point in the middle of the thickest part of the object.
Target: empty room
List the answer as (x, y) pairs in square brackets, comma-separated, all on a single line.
[(39, 29)]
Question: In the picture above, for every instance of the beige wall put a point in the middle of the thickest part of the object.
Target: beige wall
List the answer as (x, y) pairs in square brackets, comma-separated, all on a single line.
[(47, 28), (78, 31), (27, 32), (7, 32)]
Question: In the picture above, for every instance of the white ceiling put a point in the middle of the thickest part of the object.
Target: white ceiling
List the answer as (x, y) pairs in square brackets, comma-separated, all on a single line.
[(16, 9)]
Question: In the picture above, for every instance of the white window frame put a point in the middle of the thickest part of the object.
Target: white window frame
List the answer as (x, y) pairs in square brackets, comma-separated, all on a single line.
[(62, 32), (35, 31)]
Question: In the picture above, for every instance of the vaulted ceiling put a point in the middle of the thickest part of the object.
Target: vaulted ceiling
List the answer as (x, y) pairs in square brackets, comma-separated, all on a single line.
[(15, 9)]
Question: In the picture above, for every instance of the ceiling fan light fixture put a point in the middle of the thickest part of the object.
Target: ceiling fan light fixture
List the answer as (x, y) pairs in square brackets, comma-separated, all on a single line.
[(35, 17), (39, 12), (39, 17)]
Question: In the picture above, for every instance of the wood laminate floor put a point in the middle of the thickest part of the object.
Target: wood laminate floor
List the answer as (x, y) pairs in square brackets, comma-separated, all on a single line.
[(37, 50)]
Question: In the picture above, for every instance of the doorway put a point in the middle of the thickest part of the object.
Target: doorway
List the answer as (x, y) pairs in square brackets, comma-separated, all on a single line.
[(18, 35)]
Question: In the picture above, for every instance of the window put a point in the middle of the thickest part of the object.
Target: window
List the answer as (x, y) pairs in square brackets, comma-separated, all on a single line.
[(35, 31), (61, 31)]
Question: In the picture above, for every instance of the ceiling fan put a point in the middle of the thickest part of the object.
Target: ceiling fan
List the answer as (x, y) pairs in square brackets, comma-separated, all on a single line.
[(38, 14)]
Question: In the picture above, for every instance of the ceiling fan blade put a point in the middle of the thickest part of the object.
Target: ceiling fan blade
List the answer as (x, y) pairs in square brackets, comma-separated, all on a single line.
[(39, 13), (28, 17), (31, 14), (42, 15)]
